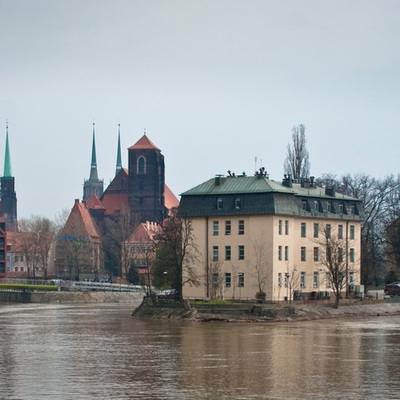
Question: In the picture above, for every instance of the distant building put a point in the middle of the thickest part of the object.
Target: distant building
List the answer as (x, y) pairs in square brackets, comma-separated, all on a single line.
[(139, 191), (252, 233)]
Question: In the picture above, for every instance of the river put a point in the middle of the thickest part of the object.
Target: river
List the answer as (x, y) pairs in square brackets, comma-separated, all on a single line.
[(98, 351)]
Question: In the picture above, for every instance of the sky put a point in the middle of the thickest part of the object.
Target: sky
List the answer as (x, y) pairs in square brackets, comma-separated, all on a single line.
[(217, 85)]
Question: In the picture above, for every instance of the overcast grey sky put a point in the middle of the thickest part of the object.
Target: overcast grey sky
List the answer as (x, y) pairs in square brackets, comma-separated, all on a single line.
[(214, 83)]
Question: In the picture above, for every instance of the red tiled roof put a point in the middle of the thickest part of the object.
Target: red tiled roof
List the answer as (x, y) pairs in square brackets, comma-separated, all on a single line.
[(115, 203), (144, 233), (80, 222), (144, 143), (93, 202), (170, 200)]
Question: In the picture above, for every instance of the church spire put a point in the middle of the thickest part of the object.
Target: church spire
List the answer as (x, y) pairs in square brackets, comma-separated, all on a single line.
[(7, 158), (119, 162), (93, 166)]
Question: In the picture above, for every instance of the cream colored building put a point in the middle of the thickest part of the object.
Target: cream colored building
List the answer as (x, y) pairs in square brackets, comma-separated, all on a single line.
[(254, 234)]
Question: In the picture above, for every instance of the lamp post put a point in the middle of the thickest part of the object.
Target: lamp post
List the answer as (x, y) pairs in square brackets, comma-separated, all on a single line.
[(165, 278)]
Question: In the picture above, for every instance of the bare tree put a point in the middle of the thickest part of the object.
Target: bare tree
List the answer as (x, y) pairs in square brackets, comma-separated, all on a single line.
[(176, 252), (261, 267), (216, 277), (117, 249), (336, 259), (292, 280), (297, 163)]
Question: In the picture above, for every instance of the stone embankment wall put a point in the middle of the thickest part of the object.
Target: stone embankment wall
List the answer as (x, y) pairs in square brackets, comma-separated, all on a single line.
[(72, 297)]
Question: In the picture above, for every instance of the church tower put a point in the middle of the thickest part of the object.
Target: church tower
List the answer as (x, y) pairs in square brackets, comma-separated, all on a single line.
[(93, 185), (146, 180), (7, 192), (119, 158)]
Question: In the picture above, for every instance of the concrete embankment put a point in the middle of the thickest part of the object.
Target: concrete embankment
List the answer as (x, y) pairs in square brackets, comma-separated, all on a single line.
[(72, 297)]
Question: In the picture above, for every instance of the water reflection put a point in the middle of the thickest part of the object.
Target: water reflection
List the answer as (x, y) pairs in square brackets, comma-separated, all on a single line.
[(84, 352)]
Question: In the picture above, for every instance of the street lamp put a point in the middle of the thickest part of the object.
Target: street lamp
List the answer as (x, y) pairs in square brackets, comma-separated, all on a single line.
[(165, 278)]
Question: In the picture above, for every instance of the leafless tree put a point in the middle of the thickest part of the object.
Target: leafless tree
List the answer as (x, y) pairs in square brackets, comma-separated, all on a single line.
[(36, 237), (118, 230), (176, 252), (216, 277), (297, 163), (335, 257), (261, 266), (292, 280)]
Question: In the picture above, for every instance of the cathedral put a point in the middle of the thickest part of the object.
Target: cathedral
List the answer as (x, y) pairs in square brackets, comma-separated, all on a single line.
[(138, 191)]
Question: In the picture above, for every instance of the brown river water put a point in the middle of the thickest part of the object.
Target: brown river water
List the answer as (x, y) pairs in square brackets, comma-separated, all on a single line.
[(98, 351)]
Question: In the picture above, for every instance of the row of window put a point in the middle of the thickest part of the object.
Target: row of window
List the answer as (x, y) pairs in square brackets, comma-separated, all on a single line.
[(327, 230), (228, 227), (237, 204), (316, 253), (283, 279), (317, 206), (228, 253), (228, 279)]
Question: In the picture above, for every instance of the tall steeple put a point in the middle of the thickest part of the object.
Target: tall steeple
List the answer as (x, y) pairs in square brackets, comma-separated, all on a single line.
[(93, 166), (7, 158), (93, 185), (119, 161), (8, 202)]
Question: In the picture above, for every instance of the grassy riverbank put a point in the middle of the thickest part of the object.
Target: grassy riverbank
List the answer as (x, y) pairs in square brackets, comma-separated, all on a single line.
[(264, 313)]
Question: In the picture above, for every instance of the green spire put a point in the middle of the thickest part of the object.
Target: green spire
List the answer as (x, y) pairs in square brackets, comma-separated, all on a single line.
[(7, 158), (119, 162), (93, 166)]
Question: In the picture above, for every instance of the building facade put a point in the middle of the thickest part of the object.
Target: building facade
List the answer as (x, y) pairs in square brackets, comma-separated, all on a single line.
[(257, 235)]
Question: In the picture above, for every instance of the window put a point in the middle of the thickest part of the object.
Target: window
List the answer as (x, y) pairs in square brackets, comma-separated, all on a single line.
[(215, 279), (228, 279), (316, 230), (219, 203), (340, 254), (241, 279), (238, 204), (280, 279), (352, 255), (328, 280), (351, 278), (316, 206), (340, 232), (303, 229), (241, 252), (328, 229), (215, 228), (286, 253), (316, 254), (303, 254), (328, 206), (352, 208), (141, 165), (279, 252), (286, 279), (241, 227), (215, 253), (280, 227), (352, 232), (316, 279), (341, 208), (286, 227), (227, 227), (304, 205), (227, 253), (303, 280)]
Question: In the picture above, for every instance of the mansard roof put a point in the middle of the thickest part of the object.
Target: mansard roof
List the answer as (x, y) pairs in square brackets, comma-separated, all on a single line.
[(144, 143)]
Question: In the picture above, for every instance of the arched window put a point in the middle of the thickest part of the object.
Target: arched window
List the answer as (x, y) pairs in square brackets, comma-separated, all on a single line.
[(141, 165)]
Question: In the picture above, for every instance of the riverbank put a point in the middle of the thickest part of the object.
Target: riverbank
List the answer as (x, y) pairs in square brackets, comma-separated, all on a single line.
[(263, 313), (134, 298)]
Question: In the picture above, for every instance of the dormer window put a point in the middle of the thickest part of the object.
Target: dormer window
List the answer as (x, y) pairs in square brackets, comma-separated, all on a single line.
[(141, 165), (304, 205), (238, 204), (219, 203), (328, 206), (341, 208)]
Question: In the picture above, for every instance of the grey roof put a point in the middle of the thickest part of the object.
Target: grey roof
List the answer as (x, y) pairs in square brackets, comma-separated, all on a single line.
[(257, 184)]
